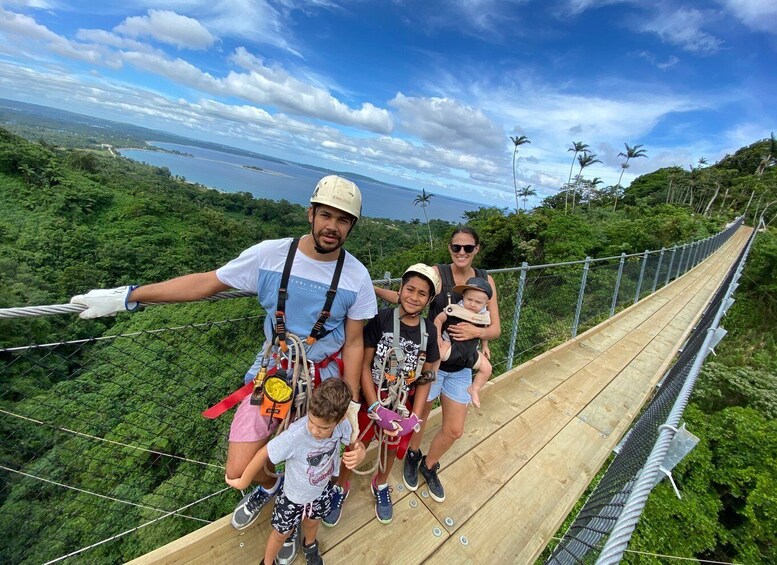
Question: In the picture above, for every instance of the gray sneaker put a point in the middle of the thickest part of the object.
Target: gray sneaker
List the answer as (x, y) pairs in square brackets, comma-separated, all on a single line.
[(432, 480), (249, 507), (289, 550), (312, 556), (410, 469)]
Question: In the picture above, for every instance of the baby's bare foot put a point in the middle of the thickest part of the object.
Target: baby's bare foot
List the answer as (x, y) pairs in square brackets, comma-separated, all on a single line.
[(473, 393)]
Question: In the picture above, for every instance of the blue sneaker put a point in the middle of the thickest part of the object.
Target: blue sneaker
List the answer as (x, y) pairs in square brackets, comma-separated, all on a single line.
[(383, 508), (338, 496)]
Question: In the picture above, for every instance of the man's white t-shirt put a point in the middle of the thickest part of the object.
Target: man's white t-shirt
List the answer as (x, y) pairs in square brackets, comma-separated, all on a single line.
[(259, 268)]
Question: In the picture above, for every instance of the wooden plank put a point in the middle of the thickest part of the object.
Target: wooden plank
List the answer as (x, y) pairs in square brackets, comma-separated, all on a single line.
[(514, 524), (483, 470), (219, 542), (412, 536)]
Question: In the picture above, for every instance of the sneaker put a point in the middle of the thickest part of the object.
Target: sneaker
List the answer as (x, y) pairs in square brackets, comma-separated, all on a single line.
[(312, 556), (249, 507), (410, 470), (383, 509), (289, 549), (338, 495), (432, 480)]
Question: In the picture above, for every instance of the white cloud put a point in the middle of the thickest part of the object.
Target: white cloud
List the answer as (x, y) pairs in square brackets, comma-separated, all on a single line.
[(683, 27), (24, 28), (168, 27), (275, 86), (272, 86), (35, 4), (255, 21), (574, 7), (665, 65), (759, 15), (448, 123)]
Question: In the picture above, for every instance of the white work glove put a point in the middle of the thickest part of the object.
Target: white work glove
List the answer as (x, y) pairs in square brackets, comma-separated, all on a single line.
[(105, 302), (352, 415)]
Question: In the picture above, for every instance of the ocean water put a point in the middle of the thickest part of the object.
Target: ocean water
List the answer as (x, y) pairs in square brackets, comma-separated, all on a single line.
[(289, 181)]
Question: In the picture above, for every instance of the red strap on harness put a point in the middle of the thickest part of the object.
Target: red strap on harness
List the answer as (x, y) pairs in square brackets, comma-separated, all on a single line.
[(234, 399)]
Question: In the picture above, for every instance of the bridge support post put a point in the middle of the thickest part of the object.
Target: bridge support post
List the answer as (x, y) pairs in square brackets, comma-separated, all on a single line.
[(517, 315), (580, 295), (680, 262), (658, 270), (641, 276), (671, 264), (617, 285)]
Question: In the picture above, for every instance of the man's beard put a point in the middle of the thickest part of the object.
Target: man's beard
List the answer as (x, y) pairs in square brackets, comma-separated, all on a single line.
[(317, 245)]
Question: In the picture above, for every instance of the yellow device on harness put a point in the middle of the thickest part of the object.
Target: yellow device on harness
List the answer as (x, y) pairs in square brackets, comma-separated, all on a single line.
[(276, 398)]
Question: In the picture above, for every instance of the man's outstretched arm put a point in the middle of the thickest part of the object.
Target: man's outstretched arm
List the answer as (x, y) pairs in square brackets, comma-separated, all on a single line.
[(106, 302)]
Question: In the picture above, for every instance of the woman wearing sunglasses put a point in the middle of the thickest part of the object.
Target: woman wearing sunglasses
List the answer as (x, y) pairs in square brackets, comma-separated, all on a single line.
[(452, 381)]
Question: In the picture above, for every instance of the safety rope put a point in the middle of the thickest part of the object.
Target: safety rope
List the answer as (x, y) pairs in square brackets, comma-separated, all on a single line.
[(98, 495), (296, 361), (96, 438), (124, 533), (53, 309)]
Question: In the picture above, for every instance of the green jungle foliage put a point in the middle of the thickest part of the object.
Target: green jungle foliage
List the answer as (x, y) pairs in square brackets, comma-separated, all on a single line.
[(728, 482), (74, 217)]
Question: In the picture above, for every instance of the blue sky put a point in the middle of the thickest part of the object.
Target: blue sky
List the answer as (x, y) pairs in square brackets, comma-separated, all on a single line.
[(425, 94)]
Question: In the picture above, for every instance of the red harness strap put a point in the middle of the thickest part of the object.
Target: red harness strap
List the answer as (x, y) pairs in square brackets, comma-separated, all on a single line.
[(234, 399)]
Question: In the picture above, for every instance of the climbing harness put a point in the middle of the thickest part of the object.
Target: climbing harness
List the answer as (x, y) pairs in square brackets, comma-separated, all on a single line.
[(290, 356), (393, 388)]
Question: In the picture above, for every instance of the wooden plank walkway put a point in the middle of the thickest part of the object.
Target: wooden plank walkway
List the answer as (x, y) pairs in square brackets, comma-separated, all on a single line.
[(544, 430)]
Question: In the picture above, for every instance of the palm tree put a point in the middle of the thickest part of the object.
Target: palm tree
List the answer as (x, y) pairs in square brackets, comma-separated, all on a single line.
[(423, 199), (585, 159), (577, 147), (631, 153), (523, 140), (415, 222), (593, 191), (525, 192)]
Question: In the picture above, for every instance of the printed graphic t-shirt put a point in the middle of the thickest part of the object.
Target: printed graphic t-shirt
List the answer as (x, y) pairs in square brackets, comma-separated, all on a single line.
[(310, 462), (379, 333)]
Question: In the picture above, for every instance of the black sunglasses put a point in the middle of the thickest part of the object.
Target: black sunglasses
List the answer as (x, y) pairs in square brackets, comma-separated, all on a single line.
[(455, 247)]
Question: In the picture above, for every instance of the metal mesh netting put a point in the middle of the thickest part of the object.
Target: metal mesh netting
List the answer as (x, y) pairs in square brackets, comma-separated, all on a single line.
[(587, 534), (115, 438)]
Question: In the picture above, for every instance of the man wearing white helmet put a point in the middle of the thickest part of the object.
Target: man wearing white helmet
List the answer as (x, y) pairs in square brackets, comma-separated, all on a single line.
[(315, 262)]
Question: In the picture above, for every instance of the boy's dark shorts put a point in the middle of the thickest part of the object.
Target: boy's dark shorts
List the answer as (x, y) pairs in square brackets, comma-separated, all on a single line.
[(286, 514)]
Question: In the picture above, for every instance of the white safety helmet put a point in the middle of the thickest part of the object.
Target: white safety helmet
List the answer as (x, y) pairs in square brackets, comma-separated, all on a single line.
[(426, 272), (340, 193)]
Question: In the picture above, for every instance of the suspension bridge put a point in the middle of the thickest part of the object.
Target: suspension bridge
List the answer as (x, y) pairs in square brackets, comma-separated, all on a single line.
[(545, 428)]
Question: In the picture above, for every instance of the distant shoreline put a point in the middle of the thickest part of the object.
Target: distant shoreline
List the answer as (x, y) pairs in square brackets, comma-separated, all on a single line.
[(352, 176)]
